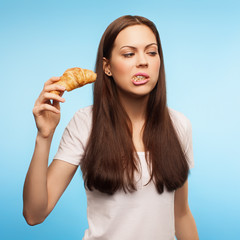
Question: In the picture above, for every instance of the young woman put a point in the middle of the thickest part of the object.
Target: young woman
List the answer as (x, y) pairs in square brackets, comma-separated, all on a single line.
[(134, 152)]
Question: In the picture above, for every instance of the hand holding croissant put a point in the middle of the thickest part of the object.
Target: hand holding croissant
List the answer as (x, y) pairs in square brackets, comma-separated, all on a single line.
[(76, 77)]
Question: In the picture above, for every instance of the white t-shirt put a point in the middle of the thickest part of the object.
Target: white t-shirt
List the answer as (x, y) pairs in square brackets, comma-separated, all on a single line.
[(142, 215)]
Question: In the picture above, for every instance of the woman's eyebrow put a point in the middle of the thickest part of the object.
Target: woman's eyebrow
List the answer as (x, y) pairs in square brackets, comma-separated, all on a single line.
[(128, 46), (149, 45)]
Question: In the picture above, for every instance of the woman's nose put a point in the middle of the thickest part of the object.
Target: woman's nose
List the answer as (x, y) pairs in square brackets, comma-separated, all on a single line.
[(142, 60)]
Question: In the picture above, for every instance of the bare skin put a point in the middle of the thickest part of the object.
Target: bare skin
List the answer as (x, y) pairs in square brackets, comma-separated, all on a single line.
[(185, 225), (44, 185)]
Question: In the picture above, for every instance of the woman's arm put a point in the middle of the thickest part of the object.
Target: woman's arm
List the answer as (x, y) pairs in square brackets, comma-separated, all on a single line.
[(185, 225), (44, 185)]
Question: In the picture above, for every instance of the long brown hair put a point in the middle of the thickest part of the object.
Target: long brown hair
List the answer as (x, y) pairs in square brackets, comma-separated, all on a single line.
[(110, 160)]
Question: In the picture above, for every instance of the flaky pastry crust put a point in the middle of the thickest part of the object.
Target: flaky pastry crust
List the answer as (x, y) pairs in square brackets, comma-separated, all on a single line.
[(75, 77)]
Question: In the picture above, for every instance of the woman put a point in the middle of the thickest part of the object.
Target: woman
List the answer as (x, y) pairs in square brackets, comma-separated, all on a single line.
[(134, 152)]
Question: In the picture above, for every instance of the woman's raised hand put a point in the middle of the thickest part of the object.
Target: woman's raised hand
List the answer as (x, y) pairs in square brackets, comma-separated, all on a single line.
[(46, 109)]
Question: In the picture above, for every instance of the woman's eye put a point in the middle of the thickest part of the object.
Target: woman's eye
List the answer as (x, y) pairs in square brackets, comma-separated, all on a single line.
[(152, 53), (128, 55)]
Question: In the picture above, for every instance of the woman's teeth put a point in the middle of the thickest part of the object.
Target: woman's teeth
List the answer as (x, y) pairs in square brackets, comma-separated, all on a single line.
[(138, 78)]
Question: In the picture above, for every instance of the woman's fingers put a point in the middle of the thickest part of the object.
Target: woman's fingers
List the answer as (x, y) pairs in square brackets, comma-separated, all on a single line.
[(51, 96), (51, 81), (56, 104), (54, 87), (49, 86), (46, 97), (37, 110), (48, 101)]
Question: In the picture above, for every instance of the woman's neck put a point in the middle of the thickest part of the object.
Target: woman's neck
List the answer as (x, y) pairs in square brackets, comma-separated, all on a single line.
[(135, 107), (136, 110)]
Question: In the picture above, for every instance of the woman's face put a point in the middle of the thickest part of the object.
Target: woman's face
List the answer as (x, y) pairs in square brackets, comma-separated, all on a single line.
[(135, 62)]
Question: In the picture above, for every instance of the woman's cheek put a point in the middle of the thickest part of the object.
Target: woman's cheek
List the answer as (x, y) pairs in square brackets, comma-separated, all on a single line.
[(121, 68), (157, 66)]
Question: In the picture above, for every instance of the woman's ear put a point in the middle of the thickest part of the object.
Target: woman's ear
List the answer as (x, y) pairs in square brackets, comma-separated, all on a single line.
[(106, 67)]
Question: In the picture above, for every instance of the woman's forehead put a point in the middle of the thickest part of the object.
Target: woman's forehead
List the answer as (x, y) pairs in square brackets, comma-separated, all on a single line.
[(137, 35)]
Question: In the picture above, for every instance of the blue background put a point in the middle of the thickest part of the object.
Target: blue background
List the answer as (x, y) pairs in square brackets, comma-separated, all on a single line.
[(201, 45)]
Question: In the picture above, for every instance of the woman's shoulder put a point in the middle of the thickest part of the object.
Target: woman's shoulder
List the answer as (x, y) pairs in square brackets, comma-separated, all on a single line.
[(179, 119), (87, 111), (83, 113), (184, 130), (81, 119)]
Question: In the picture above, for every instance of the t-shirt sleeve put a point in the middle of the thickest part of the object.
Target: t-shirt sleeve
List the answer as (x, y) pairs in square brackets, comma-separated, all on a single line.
[(74, 138), (183, 127), (188, 145)]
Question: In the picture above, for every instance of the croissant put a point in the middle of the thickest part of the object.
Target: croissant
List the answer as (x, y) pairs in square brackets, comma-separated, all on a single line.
[(75, 77)]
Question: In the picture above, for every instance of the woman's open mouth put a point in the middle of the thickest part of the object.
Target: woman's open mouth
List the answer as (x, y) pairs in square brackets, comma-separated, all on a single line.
[(140, 79)]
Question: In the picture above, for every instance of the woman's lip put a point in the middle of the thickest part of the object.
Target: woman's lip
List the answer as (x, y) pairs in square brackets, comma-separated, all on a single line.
[(140, 82), (136, 80), (142, 74)]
